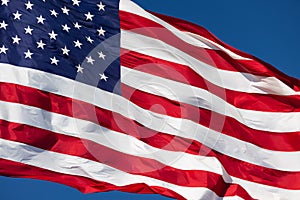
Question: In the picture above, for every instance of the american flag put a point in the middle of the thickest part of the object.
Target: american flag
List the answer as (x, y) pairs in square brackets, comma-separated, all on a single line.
[(103, 95)]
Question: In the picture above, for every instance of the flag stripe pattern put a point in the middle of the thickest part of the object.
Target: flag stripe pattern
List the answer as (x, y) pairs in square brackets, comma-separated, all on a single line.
[(175, 111)]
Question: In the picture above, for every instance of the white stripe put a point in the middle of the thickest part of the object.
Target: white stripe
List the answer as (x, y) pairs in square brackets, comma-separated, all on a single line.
[(260, 120), (73, 165), (237, 81), (259, 191), (120, 142), (286, 161), (131, 7), (232, 54)]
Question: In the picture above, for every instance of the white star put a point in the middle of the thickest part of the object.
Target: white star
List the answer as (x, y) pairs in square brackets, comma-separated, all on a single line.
[(65, 51), (101, 31), (40, 44), (89, 39), (76, 25), (52, 35), (89, 16), (54, 13), (101, 6), (90, 60), (3, 49), (29, 5), (3, 25), (28, 30), (79, 68), (5, 2), (17, 15), (103, 77), (65, 10), (66, 28), (54, 61), (40, 19), (28, 54), (77, 44), (76, 2), (101, 55), (16, 39)]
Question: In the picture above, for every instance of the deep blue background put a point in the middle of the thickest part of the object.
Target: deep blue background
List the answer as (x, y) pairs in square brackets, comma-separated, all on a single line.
[(268, 29)]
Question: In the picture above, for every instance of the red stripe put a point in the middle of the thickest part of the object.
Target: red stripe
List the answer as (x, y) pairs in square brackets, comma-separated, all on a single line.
[(256, 66), (131, 164), (116, 122), (85, 185), (183, 74)]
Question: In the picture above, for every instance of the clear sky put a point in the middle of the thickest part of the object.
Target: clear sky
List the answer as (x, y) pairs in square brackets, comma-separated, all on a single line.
[(268, 29)]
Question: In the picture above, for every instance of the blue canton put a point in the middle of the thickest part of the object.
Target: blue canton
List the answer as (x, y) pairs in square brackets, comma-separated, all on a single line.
[(75, 39)]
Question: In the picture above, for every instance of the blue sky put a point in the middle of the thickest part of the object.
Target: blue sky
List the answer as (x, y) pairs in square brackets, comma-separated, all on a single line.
[(268, 29)]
